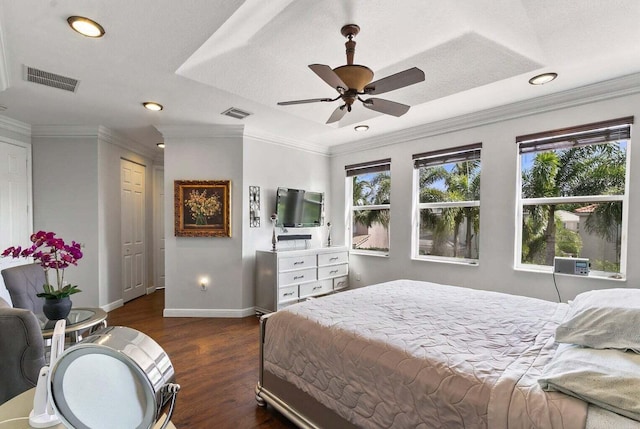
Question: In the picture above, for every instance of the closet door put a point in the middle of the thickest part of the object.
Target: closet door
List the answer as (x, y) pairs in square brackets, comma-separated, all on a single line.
[(132, 177), (15, 203)]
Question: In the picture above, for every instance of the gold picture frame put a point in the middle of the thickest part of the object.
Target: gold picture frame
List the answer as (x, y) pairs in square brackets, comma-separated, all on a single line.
[(202, 208)]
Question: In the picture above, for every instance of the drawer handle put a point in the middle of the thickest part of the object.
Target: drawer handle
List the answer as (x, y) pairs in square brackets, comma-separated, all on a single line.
[(341, 283), (298, 277), (317, 287), (335, 258), (298, 263), (333, 271), (288, 294)]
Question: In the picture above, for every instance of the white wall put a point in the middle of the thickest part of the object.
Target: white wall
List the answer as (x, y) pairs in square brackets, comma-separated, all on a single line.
[(65, 196), (76, 181), (110, 152), (498, 198), (270, 166), (204, 153)]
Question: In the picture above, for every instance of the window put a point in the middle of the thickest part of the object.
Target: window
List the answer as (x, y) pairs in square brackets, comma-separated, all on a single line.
[(573, 195), (368, 197), (447, 204)]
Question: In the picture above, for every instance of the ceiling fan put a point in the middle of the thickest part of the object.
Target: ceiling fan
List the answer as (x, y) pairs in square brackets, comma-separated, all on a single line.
[(353, 80)]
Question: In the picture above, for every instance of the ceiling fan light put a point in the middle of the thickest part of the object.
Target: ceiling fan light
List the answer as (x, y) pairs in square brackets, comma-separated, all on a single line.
[(355, 76), (152, 105), (361, 128), (543, 78), (85, 26)]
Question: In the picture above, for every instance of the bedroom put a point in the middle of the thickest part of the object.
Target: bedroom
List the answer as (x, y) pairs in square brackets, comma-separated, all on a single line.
[(199, 147)]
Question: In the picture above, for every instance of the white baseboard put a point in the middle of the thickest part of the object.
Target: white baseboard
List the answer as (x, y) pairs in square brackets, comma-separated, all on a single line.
[(151, 289), (113, 305), (208, 312)]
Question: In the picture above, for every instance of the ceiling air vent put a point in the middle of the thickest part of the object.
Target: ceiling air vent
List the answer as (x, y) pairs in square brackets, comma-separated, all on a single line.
[(235, 113), (50, 79)]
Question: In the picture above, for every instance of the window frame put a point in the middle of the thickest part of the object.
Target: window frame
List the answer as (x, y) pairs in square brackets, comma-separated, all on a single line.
[(442, 157), (383, 165), (521, 202)]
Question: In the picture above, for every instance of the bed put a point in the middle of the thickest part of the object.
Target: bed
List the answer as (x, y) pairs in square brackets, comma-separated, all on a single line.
[(410, 354)]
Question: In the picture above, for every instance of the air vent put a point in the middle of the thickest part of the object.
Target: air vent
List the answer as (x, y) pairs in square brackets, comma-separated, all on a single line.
[(235, 113), (50, 79)]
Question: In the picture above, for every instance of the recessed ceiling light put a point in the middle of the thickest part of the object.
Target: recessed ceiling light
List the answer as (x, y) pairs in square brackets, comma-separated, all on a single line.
[(160, 145), (361, 127), (543, 78), (85, 26), (151, 105)]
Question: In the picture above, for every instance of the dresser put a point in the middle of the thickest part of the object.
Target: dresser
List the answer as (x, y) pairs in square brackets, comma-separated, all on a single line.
[(288, 276)]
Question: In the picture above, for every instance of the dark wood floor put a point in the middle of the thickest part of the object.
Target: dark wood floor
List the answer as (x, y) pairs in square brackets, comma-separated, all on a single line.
[(216, 363)]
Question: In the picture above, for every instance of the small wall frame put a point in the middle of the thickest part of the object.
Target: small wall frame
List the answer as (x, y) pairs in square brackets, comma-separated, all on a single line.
[(254, 206), (202, 208)]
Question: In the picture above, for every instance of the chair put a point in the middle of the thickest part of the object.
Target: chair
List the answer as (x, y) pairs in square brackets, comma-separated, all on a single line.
[(23, 283), (21, 351)]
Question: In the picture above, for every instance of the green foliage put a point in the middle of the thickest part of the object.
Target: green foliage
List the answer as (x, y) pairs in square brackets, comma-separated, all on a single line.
[(51, 292), (460, 183), (584, 170)]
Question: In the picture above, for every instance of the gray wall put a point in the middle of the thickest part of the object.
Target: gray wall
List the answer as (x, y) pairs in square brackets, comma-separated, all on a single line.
[(498, 204), (76, 182)]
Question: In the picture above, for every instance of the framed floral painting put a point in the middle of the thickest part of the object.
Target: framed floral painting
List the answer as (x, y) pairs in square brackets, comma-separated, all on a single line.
[(202, 208)]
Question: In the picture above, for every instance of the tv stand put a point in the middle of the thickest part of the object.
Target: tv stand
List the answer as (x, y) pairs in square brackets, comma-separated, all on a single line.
[(288, 276)]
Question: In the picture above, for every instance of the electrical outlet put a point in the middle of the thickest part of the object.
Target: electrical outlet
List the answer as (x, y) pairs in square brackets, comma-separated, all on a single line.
[(358, 278)]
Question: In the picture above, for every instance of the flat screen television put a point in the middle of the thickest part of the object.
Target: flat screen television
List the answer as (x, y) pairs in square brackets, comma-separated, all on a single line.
[(297, 208)]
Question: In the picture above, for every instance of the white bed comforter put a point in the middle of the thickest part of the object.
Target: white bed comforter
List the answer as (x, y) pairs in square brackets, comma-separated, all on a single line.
[(408, 354)]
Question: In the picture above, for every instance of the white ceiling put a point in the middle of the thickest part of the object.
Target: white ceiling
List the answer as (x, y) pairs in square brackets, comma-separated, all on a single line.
[(200, 57)]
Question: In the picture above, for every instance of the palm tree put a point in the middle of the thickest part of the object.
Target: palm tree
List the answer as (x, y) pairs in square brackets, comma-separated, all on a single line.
[(375, 191), (462, 183), (584, 170)]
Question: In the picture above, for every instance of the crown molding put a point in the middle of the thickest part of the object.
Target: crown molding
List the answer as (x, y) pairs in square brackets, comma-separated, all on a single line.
[(57, 131), (4, 71), (605, 90), (289, 143), (180, 132), (15, 126), (97, 132), (119, 140)]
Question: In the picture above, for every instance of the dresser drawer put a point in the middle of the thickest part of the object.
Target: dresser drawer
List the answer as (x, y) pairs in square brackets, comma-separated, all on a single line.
[(340, 282), (333, 258), (288, 294), (318, 288), (296, 262), (333, 271), (296, 277)]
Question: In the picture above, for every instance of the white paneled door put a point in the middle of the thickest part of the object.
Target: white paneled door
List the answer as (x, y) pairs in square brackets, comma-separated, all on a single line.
[(132, 178), (15, 198)]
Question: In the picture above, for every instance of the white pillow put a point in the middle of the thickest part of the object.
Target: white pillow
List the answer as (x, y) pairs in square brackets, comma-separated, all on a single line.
[(609, 379), (602, 319)]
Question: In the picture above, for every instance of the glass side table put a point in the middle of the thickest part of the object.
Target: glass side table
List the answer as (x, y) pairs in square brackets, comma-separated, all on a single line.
[(79, 320)]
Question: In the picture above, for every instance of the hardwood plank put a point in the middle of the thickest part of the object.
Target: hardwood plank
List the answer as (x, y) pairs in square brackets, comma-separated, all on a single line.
[(216, 363)]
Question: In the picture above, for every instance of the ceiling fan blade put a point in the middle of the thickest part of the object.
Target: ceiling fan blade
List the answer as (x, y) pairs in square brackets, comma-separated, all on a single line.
[(310, 100), (327, 74), (395, 81), (386, 106), (337, 114)]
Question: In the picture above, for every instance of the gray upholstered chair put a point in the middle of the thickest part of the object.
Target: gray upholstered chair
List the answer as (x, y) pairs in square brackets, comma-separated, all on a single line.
[(23, 283), (21, 351)]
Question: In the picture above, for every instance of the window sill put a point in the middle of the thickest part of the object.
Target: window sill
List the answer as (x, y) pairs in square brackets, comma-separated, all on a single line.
[(443, 260), (370, 253), (598, 275)]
